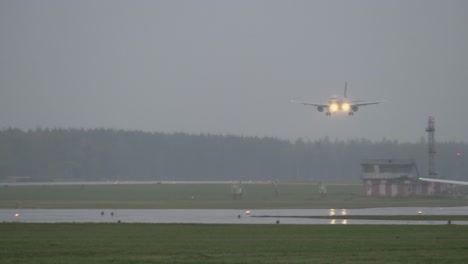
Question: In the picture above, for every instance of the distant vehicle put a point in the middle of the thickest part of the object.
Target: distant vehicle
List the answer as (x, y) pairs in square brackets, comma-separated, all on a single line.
[(443, 181), (339, 104)]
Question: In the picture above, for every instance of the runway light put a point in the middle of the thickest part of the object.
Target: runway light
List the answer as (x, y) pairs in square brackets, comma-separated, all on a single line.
[(16, 215), (458, 154), (344, 222), (332, 222), (419, 212), (344, 212), (332, 212), (247, 212)]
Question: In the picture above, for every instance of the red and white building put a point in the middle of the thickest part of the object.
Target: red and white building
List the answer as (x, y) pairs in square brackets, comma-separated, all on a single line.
[(395, 177)]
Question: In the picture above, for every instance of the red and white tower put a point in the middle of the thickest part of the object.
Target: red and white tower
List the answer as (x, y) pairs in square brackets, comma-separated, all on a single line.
[(432, 173)]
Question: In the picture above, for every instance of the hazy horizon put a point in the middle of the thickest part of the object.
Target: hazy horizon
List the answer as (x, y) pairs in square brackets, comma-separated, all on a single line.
[(232, 67)]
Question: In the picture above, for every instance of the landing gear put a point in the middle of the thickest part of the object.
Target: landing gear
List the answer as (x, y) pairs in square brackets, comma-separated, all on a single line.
[(327, 113), (351, 113)]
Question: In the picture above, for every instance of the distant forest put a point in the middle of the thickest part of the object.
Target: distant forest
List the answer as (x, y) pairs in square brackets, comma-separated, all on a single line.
[(105, 154)]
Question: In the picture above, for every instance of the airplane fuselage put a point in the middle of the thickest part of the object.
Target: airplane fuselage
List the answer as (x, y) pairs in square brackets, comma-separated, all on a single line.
[(336, 105)]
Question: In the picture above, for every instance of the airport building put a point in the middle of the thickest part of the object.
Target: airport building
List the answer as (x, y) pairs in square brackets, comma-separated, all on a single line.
[(395, 177)]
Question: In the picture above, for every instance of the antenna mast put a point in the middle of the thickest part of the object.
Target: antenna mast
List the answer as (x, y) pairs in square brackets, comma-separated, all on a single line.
[(431, 148)]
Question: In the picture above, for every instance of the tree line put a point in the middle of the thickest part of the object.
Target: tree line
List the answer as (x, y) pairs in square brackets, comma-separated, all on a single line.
[(106, 154)]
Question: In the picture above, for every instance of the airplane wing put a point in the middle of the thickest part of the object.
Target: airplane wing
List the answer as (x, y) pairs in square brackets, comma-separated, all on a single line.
[(444, 181), (360, 103), (307, 103)]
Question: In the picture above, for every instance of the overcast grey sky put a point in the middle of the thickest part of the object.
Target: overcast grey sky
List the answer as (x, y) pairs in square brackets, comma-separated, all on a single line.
[(232, 67)]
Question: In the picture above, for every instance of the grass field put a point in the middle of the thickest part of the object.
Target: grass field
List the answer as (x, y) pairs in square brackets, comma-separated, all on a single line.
[(146, 243), (204, 196)]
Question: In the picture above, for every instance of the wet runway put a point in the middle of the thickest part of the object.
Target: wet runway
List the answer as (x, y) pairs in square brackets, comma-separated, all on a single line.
[(231, 216)]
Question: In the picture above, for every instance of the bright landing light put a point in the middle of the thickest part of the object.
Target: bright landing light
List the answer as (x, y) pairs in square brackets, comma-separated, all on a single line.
[(345, 107), (333, 107)]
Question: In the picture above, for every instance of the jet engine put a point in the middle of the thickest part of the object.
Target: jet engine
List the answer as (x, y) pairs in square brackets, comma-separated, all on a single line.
[(355, 108), (320, 108)]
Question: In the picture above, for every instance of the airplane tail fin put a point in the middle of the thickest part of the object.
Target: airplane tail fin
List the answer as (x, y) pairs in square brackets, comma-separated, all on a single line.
[(345, 88)]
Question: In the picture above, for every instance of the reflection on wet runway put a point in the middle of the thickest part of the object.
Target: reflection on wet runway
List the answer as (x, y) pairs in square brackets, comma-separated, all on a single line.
[(203, 216)]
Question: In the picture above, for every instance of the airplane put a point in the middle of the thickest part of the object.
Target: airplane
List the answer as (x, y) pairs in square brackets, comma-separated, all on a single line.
[(336, 104), (443, 181)]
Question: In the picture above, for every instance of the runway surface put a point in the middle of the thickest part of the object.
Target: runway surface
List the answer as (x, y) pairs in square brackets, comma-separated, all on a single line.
[(231, 216)]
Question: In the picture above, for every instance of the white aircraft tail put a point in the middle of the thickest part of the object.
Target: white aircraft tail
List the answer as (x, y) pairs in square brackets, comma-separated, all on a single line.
[(345, 88)]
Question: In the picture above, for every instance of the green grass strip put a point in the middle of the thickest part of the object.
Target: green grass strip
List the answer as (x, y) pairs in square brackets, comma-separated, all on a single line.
[(155, 243)]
